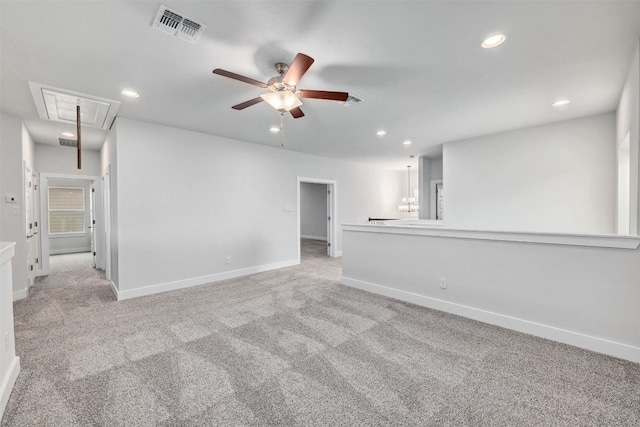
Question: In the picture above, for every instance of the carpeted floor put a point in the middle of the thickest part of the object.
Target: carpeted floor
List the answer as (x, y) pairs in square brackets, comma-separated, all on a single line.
[(292, 347)]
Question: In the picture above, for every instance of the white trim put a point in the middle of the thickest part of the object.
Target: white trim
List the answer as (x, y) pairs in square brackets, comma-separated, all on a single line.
[(69, 250), (44, 213), (338, 254), (432, 198), (196, 281), (21, 294), (589, 240), (106, 226), (588, 342), (332, 238), (7, 251), (114, 289), (68, 234), (306, 236), (7, 383)]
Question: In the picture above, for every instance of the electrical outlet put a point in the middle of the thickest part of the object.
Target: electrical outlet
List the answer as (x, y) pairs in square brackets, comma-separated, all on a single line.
[(443, 283), (227, 260), (6, 341)]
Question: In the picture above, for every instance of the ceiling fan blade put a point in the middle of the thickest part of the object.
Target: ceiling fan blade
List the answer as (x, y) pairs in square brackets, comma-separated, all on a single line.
[(298, 67), (296, 113), (248, 103), (323, 94), (238, 77)]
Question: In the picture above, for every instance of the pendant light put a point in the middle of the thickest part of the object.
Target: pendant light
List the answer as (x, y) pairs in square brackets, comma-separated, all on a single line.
[(408, 203)]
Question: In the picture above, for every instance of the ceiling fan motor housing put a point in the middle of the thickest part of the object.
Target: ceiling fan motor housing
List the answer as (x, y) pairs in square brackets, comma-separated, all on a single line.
[(277, 85)]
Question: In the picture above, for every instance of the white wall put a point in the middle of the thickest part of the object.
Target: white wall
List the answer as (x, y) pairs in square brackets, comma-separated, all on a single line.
[(583, 291), (9, 363), (557, 178), (187, 200), (628, 122), (17, 149), (109, 164), (72, 243), (313, 211), (63, 160)]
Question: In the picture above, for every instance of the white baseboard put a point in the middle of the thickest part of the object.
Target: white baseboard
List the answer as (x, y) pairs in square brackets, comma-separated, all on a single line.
[(7, 383), (338, 254), (21, 294), (324, 239), (195, 281), (577, 339), (114, 289), (68, 251)]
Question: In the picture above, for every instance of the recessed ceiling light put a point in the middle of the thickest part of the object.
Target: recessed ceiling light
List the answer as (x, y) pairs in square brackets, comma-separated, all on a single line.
[(68, 134), (407, 142), (381, 132), (130, 93), (560, 103), (493, 41), (274, 129)]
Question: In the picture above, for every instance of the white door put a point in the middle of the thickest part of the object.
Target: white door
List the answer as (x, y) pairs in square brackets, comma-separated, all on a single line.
[(439, 201), (28, 208), (106, 217), (92, 223), (329, 220), (36, 221)]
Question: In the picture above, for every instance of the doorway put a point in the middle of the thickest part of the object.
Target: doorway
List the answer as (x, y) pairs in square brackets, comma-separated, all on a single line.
[(437, 199), (69, 224), (317, 215)]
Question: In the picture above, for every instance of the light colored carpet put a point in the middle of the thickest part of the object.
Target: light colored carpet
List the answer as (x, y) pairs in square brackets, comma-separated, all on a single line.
[(293, 347)]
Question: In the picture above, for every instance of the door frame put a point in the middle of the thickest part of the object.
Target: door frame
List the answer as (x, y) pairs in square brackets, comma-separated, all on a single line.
[(434, 197), (44, 217), (106, 227), (31, 221), (332, 206)]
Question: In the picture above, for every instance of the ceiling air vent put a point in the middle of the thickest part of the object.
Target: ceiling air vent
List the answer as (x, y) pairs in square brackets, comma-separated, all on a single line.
[(175, 23), (68, 142), (351, 100)]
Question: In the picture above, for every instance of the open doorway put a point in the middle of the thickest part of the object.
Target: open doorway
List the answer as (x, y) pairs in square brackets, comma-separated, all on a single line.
[(70, 211), (316, 218)]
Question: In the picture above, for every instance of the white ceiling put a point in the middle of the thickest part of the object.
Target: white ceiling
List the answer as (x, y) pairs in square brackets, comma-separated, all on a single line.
[(417, 65)]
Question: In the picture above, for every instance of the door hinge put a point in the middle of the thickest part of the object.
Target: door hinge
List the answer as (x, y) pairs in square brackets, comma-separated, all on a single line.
[(328, 191), (94, 222), (31, 267), (37, 260), (36, 223), (30, 226), (328, 244), (94, 254), (93, 190), (329, 218), (35, 187)]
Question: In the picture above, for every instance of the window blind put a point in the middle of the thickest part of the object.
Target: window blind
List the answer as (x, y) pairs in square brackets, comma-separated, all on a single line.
[(66, 210)]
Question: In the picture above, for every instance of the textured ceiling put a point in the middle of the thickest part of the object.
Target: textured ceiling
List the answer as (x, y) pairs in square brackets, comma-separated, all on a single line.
[(417, 65)]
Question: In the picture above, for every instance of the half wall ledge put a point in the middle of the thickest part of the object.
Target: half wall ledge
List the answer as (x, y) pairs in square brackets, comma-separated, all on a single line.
[(582, 290)]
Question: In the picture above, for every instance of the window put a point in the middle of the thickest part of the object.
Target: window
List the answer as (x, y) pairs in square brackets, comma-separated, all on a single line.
[(66, 210)]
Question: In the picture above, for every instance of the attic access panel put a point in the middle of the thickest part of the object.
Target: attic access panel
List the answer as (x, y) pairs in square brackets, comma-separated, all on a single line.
[(60, 105)]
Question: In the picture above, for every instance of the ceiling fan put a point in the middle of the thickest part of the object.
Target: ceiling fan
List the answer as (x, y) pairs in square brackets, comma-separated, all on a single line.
[(282, 93)]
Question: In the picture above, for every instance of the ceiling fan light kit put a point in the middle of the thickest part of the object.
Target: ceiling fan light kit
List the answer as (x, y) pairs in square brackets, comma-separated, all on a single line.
[(282, 101), (282, 93)]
